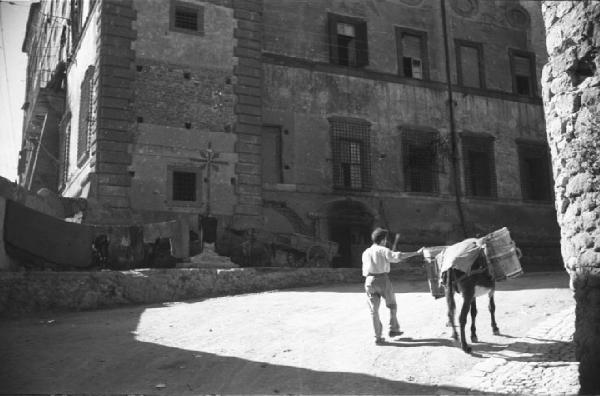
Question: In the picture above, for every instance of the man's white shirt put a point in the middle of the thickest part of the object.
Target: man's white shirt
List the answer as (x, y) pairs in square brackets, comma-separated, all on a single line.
[(376, 259)]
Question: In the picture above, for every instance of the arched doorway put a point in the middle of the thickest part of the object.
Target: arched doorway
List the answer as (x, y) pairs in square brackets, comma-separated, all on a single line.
[(349, 224)]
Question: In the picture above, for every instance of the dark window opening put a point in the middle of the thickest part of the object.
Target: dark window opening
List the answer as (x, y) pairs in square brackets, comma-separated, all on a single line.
[(271, 155), (184, 186), (351, 164), (348, 41), (479, 168), (536, 183), (187, 18), (523, 84)]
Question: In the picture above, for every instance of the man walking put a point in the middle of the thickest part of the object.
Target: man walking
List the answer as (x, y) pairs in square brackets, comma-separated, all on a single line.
[(375, 267)]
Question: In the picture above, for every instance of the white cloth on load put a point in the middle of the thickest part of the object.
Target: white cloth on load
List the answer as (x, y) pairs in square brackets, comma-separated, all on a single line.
[(461, 255)]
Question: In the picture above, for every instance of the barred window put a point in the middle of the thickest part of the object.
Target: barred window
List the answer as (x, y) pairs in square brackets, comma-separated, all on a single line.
[(420, 161), (534, 164), (187, 18), (348, 45), (351, 153), (87, 119), (479, 167), (184, 186)]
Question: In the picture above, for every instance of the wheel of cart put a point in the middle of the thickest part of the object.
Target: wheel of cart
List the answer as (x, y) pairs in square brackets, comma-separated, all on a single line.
[(316, 256)]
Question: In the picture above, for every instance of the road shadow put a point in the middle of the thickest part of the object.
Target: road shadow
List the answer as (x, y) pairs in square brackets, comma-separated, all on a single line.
[(540, 350), (100, 352)]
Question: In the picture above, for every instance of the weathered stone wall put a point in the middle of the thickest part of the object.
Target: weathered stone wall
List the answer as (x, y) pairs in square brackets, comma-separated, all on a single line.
[(571, 84), (30, 292), (301, 89)]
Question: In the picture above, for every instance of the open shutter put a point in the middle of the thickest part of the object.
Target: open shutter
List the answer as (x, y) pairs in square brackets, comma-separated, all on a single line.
[(362, 45), (332, 21)]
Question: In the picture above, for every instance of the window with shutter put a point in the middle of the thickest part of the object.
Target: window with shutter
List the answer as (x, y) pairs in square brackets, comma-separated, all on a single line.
[(479, 166), (87, 116), (523, 72), (348, 45), (412, 53), (536, 180), (351, 153), (469, 64)]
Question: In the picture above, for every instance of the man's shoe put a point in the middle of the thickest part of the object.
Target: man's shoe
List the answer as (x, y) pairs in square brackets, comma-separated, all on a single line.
[(395, 333), (379, 341)]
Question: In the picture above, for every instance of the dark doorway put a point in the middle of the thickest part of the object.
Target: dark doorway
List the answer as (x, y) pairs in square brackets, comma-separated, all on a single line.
[(350, 225)]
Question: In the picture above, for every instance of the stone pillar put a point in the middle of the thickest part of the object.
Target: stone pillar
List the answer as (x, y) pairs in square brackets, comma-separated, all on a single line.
[(571, 93)]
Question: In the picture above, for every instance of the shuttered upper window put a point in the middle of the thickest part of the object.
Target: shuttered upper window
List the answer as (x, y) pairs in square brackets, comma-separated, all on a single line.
[(187, 18), (522, 66), (412, 53), (87, 116), (348, 45)]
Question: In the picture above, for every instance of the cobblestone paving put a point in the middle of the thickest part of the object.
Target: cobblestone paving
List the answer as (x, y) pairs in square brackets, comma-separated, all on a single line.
[(541, 363)]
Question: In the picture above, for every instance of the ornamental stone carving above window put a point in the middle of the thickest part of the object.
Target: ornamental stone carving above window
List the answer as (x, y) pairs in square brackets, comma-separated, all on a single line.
[(466, 8)]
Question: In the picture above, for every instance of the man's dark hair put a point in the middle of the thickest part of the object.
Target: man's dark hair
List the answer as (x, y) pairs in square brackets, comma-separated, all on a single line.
[(378, 235)]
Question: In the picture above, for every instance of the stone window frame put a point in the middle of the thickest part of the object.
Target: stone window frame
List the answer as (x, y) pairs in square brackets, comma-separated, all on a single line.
[(538, 150), (87, 119), (512, 53), (458, 44), (423, 37), (484, 144), (413, 136), (198, 170), (353, 130), (190, 7), (361, 44), (64, 150)]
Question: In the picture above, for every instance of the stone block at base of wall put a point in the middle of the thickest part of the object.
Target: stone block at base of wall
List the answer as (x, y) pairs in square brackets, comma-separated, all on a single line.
[(33, 292)]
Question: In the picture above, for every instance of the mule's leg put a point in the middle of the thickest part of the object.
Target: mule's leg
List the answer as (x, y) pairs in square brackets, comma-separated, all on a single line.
[(492, 307), (473, 316), (449, 292), (464, 312)]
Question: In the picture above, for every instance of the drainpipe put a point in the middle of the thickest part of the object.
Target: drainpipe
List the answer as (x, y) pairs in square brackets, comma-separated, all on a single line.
[(451, 122)]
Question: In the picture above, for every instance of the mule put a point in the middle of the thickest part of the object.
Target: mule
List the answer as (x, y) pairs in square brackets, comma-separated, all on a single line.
[(477, 283)]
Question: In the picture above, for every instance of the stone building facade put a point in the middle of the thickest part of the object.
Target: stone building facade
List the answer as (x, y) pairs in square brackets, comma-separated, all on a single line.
[(319, 118), (571, 93)]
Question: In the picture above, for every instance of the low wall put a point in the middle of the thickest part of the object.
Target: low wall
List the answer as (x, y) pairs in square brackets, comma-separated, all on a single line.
[(31, 292)]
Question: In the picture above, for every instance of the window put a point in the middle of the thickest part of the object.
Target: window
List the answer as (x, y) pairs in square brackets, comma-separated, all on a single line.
[(479, 168), (522, 66), (412, 53), (65, 138), (87, 120), (348, 41), (534, 163), (187, 18), (351, 153), (184, 186), (420, 161), (469, 64), (271, 155)]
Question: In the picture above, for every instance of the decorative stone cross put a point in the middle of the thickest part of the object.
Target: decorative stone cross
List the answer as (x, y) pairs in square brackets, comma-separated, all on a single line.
[(210, 161)]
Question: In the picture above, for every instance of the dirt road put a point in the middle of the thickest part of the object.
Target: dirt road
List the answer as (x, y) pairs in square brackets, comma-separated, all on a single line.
[(309, 340)]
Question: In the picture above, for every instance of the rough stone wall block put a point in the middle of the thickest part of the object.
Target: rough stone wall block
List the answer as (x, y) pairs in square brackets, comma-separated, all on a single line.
[(570, 87)]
